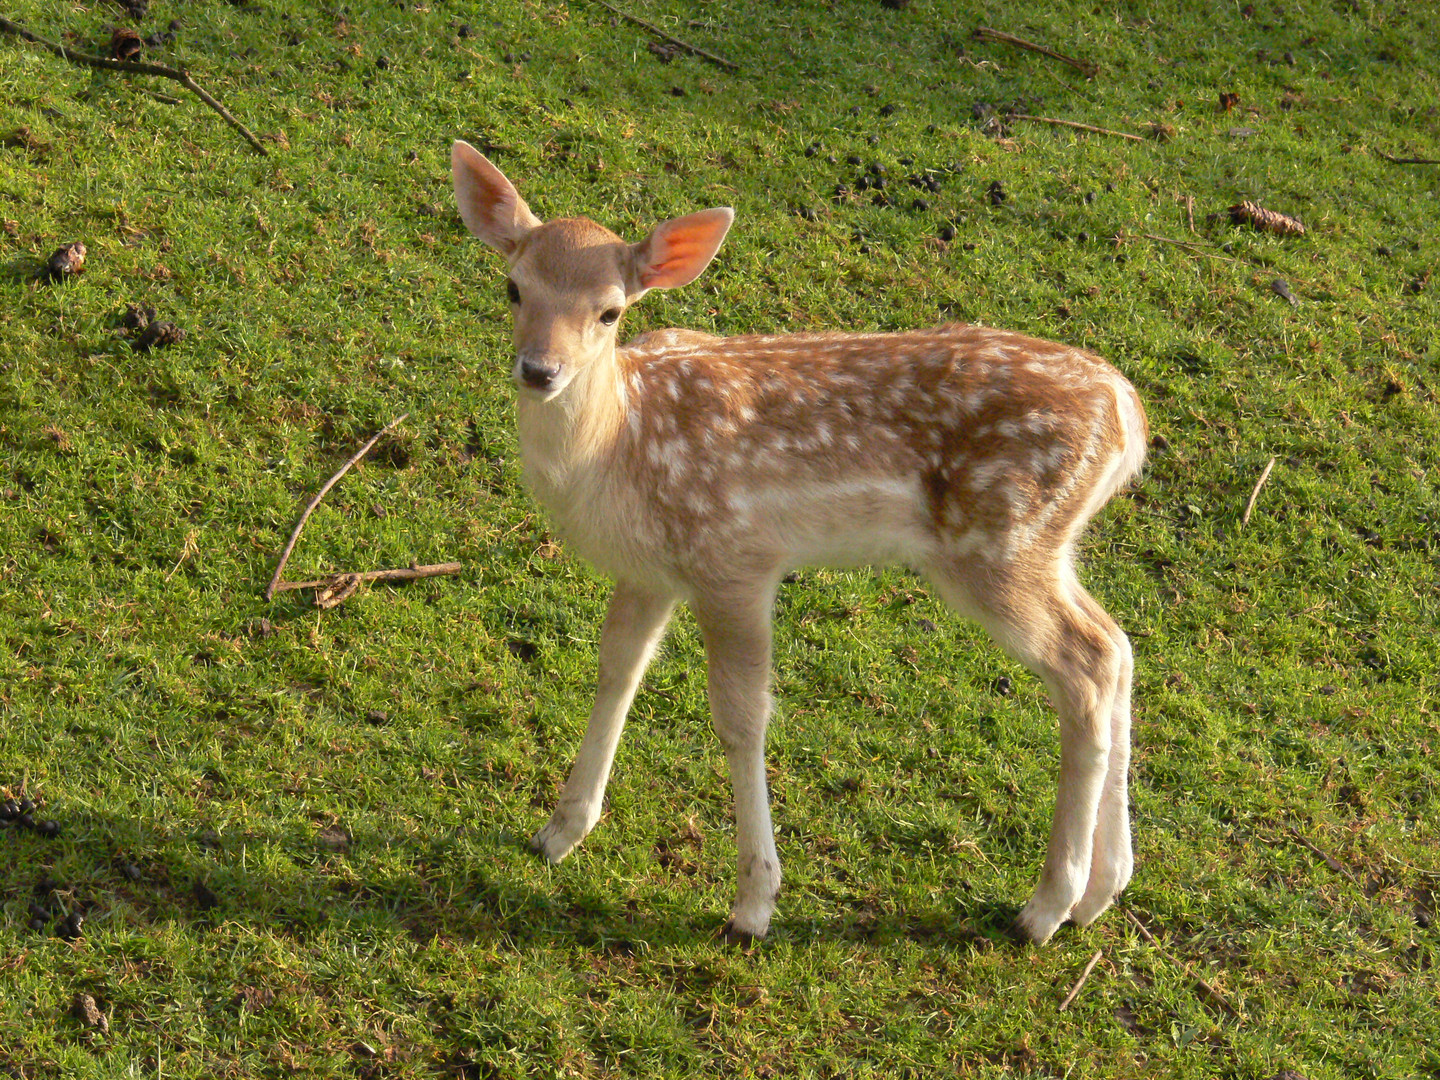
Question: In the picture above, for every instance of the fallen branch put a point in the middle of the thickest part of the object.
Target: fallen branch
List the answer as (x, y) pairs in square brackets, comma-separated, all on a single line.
[(132, 67), (310, 507), (693, 50), (1250, 506), (1408, 160), (413, 572), (334, 589), (1080, 981), (1206, 990), (1073, 124), (985, 33)]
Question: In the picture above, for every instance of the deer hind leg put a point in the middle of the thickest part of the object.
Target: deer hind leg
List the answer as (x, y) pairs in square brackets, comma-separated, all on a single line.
[(634, 625), (1113, 860), (1046, 620), (737, 648)]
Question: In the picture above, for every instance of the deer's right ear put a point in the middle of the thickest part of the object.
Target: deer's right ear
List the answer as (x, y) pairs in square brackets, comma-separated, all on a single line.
[(489, 204), (679, 249)]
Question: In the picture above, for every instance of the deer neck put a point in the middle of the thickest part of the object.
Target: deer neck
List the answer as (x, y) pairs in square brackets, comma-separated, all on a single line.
[(565, 439)]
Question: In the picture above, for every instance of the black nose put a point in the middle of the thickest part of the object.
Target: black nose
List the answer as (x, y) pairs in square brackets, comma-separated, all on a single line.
[(537, 374)]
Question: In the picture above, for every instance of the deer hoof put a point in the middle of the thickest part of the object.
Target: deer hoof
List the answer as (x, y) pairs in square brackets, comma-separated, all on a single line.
[(733, 935)]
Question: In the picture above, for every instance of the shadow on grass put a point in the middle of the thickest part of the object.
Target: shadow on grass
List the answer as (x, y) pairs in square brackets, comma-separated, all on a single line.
[(24, 268), (121, 876)]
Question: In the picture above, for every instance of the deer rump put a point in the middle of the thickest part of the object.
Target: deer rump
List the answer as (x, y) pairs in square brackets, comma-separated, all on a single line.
[(698, 468)]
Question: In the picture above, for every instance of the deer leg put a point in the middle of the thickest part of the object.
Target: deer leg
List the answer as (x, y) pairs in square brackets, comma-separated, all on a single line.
[(1040, 620), (1113, 860), (737, 646), (634, 625)]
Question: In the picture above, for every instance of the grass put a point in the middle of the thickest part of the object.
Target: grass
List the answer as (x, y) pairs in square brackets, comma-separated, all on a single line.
[(297, 838)]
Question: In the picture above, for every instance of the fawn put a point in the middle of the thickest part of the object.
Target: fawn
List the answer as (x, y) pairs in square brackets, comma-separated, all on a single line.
[(699, 468)]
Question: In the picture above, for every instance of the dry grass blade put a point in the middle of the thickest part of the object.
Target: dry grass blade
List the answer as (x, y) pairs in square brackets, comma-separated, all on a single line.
[(1255, 494), (1075, 125)]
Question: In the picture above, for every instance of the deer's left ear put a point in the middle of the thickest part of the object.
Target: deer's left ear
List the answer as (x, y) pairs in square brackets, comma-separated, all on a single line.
[(679, 249)]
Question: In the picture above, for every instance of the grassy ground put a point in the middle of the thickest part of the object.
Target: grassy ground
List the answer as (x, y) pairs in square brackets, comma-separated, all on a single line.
[(297, 838)]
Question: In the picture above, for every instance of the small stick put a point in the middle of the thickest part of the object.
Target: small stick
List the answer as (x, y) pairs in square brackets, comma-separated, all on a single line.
[(1073, 124), (1408, 160), (1080, 981), (985, 33), (1249, 506), (1196, 248), (304, 516), (414, 572), (693, 50), (1206, 990), (1190, 212), (131, 67), (1329, 860)]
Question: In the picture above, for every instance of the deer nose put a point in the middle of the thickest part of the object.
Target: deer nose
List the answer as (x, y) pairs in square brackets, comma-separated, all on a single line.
[(537, 373)]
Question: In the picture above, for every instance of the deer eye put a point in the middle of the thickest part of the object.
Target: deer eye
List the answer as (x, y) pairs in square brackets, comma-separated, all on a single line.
[(610, 316), (513, 291)]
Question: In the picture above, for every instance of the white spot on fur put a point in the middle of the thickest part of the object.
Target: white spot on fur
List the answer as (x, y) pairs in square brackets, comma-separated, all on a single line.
[(983, 475)]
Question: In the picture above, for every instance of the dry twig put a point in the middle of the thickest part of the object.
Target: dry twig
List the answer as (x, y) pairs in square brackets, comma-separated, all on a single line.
[(1250, 506), (693, 50), (132, 67), (1073, 124), (1196, 248), (985, 33), (1329, 860), (1206, 990), (1408, 160), (413, 572), (1080, 981), (310, 507)]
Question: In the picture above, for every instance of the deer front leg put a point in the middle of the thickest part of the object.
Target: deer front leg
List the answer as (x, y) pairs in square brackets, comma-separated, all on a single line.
[(737, 646), (633, 628)]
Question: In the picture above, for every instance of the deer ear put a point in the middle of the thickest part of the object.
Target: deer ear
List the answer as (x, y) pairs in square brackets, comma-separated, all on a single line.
[(489, 204), (679, 249)]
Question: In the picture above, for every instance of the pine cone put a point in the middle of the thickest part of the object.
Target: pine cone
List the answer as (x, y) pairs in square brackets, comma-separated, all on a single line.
[(158, 335), (1248, 213), (66, 260)]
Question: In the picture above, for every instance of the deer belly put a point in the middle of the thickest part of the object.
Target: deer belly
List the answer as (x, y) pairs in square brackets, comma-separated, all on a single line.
[(853, 522)]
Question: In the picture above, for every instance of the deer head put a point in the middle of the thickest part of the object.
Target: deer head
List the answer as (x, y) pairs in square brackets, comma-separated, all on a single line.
[(570, 279)]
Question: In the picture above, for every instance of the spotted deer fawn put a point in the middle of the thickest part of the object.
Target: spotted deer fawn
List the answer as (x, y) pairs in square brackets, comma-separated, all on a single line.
[(699, 468)]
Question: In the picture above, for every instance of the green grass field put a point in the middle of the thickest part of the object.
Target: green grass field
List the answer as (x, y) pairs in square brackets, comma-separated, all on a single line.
[(297, 838)]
